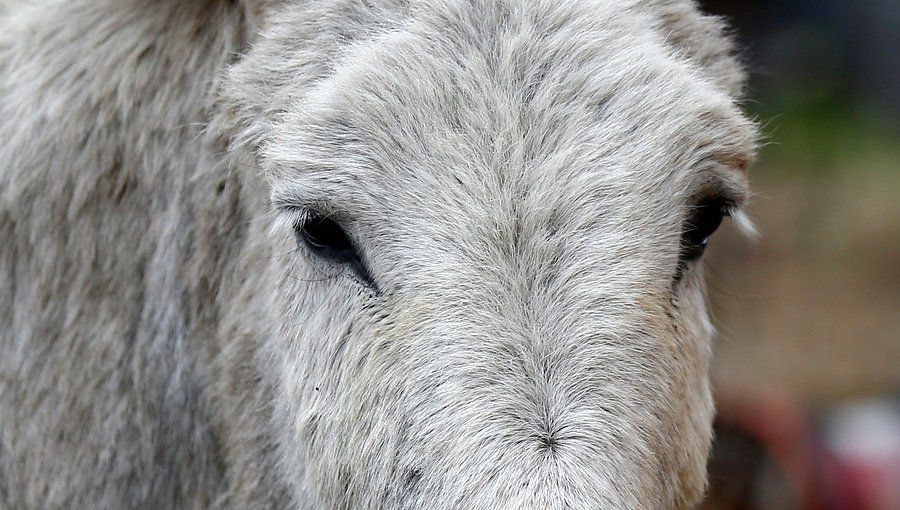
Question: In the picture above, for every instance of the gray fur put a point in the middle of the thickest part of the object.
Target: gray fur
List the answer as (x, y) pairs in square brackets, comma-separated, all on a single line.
[(515, 173)]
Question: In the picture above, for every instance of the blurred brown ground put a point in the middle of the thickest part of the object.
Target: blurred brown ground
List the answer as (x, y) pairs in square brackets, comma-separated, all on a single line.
[(812, 307)]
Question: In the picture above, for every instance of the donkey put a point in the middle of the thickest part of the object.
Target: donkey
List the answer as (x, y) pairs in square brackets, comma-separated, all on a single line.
[(359, 254)]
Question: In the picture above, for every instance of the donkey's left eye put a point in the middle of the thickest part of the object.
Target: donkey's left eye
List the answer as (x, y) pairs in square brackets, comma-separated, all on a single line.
[(701, 224)]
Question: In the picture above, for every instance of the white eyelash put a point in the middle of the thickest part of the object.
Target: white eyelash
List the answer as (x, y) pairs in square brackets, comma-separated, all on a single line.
[(288, 218), (744, 223)]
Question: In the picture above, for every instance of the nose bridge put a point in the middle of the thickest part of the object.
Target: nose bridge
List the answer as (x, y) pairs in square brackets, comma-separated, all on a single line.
[(532, 428), (589, 359), (541, 381), (587, 387), (518, 361)]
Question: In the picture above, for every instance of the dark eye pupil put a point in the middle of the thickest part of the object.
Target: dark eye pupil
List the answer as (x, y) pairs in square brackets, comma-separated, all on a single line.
[(325, 237), (703, 223)]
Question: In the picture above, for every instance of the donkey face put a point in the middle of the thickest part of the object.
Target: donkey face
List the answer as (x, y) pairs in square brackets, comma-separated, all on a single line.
[(495, 217)]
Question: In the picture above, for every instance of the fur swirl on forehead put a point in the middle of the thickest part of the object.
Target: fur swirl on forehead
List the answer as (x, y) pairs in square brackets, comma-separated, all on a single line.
[(515, 176)]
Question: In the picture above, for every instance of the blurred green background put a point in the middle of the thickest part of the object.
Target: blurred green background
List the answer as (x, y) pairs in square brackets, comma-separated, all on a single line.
[(809, 313)]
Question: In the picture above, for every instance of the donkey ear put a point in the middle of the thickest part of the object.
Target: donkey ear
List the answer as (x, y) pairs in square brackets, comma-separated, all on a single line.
[(257, 11), (702, 38)]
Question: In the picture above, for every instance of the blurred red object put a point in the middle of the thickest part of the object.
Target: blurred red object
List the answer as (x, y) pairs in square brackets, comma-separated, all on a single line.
[(864, 439), (769, 455)]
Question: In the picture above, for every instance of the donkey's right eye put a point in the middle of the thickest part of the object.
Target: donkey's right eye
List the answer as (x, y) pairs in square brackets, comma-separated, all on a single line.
[(325, 238), (704, 221)]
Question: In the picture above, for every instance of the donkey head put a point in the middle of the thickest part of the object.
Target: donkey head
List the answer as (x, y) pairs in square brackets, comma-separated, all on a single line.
[(494, 215)]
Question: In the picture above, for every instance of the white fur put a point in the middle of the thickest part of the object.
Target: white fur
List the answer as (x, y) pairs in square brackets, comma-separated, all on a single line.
[(516, 175)]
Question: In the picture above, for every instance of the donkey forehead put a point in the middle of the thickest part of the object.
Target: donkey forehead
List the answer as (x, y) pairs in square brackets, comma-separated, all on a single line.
[(548, 109)]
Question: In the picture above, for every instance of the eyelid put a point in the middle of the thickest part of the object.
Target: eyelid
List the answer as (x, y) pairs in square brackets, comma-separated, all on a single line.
[(711, 193), (293, 204), (294, 197), (718, 182), (297, 209)]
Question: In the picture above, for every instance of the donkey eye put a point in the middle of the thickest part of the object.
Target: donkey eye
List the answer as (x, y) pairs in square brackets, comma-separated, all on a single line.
[(702, 223), (325, 238)]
